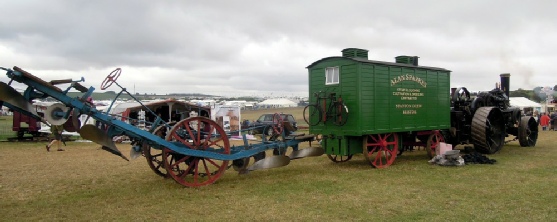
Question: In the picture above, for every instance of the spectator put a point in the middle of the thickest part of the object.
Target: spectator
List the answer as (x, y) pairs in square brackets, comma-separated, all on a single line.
[(553, 121), (544, 121), (245, 124), (537, 117), (56, 131)]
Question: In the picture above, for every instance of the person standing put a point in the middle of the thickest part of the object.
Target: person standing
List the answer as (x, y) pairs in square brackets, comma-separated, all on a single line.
[(544, 121), (56, 131), (553, 121)]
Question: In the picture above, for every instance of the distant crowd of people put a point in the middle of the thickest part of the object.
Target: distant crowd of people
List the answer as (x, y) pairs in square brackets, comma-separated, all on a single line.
[(546, 121)]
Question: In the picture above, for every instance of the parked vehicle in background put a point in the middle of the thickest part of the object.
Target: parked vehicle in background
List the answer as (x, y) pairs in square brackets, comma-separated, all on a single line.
[(264, 123)]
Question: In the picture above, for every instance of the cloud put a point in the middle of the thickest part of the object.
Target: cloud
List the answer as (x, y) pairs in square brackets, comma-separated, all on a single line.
[(262, 47)]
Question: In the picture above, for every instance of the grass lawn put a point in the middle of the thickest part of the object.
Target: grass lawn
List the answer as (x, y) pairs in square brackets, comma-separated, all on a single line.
[(87, 183)]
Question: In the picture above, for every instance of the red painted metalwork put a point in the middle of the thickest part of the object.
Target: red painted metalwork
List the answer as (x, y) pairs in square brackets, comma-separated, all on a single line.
[(111, 78), (277, 123), (198, 133), (154, 156), (381, 150), (433, 141), (33, 125)]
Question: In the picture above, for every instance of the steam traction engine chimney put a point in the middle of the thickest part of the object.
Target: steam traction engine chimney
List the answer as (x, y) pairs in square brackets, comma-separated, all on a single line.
[(505, 78)]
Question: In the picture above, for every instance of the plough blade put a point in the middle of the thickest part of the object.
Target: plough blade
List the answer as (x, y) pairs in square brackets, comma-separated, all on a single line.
[(91, 132), (306, 152), (11, 96), (134, 154), (136, 151), (270, 162)]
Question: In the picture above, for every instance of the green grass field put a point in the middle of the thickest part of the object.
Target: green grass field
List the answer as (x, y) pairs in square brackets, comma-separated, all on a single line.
[(85, 183), (6, 128)]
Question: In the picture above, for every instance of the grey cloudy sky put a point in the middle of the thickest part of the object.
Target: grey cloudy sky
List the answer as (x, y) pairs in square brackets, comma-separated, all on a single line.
[(261, 48)]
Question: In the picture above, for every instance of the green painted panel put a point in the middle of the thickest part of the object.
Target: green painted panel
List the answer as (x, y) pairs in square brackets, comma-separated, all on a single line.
[(381, 98)]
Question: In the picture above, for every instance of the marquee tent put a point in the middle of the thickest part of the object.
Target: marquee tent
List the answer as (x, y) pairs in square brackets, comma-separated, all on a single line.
[(278, 103), (523, 102)]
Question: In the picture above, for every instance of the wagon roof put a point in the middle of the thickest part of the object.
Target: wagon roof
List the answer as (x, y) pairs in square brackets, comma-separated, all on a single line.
[(376, 62)]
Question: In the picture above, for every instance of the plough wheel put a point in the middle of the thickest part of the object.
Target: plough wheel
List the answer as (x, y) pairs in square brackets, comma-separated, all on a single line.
[(380, 150), (339, 158), (154, 156), (432, 143), (196, 133)]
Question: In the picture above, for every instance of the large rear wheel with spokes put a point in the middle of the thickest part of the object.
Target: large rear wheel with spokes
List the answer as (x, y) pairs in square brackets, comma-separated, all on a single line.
[(196, 133), (154, 155)]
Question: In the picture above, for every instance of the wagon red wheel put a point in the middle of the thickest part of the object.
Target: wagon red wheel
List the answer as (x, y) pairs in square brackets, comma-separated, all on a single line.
[(432, 143), (154, 155), (339, 158), (380, 150), (111, 78), (277, 123), (196, 133)]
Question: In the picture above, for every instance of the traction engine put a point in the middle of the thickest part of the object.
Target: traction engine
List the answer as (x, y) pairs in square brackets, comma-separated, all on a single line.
[(487, 119)]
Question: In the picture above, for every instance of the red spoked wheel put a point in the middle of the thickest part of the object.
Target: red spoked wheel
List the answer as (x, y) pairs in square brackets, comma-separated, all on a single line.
[(277, 124), (380, 150), (111, 78), (196, 133), (154, 156), (433, 141)]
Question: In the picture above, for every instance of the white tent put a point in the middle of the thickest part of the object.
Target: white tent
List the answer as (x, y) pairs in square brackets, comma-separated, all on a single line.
[(523, 102), (278, 103)]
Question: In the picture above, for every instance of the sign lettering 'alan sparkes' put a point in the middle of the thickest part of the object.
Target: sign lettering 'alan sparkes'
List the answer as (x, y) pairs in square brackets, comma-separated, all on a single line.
[(408, 77), (407, 94)]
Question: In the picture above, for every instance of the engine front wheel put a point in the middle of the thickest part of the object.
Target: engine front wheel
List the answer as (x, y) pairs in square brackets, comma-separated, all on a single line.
[(527, 131)]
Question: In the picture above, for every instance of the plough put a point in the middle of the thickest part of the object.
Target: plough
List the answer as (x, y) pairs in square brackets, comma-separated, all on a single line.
[(195, 151)]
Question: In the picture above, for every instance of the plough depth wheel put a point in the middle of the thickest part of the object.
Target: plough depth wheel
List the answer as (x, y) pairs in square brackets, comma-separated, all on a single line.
[(380, 150), (197, 133), (154, 156)]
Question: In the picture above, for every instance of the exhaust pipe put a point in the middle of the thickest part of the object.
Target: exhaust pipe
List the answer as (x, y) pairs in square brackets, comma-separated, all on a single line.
[(505, 83)]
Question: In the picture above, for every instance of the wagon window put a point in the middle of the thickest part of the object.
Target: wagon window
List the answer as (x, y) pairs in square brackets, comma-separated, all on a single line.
[(331, 75)]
